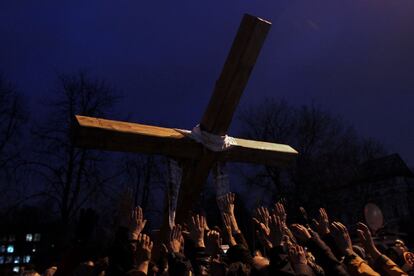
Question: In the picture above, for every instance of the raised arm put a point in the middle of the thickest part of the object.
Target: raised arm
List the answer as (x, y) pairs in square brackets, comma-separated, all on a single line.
[(142, 255), (354, 263), (382, 263)]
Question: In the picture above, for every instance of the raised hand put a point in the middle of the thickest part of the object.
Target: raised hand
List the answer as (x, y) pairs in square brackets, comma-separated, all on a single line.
[(262, 215), (263, 227), (301, 233), (226, 205), (136, 223), (342, 238), (297, 255), (279, 211), (176, 239), (322, 224), (144, 248), (367, 241), (213, 243), (263, 233), (276, 226), (143, 252), (197, 226)]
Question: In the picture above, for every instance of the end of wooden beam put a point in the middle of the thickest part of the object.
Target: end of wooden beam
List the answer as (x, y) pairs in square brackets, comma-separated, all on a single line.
[(246, 15), (74, 130)]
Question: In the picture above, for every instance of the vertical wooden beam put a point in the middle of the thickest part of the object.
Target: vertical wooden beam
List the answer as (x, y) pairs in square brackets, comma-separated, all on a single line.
[(235, 74), (195, 174)]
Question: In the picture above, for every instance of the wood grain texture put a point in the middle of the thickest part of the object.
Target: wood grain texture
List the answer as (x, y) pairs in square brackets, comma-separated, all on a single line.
[(195, 174), (258, 152), (111, 135), (235, 74)]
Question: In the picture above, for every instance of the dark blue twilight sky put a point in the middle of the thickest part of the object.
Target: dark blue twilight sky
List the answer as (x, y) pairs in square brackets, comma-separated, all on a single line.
[(352, 57)]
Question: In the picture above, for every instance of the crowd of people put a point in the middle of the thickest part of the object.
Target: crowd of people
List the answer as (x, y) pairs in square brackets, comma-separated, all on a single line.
[(196, 248)]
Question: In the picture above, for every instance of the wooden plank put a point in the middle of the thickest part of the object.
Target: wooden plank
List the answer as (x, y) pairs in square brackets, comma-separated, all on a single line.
[(96, 133), (112, 135), (250, 151), (235, 74), (195, 174)]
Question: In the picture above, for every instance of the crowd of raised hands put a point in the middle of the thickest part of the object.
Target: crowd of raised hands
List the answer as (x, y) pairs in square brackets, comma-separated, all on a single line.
[(278, 247), (195, 248)]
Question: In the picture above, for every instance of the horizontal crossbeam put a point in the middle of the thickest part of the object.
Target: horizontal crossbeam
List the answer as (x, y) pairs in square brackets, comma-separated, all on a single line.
[(112, 135)]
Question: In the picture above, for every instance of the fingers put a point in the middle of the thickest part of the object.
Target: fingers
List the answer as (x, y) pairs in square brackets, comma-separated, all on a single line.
[(231, 198), (132, 215), (203, 222), (226, 202), (198, 222), (286, 240), (292, 251), (300, 232), (340, 231), (144, 241), (164, 248), (206, 224), (339, 227), (364, 229), (262, 215), (279, 210), (262, 228), (323, 214), (139, 215), (297, 254), (276, 227), (365, 235), (265, 212), (297, 230), (176, 232), (336, 229), (315, 223), (213, 235), (362, 236), (299, 227)]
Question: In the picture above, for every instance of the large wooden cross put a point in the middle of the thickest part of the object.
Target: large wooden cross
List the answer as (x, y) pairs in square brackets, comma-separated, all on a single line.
[(197, 160)]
